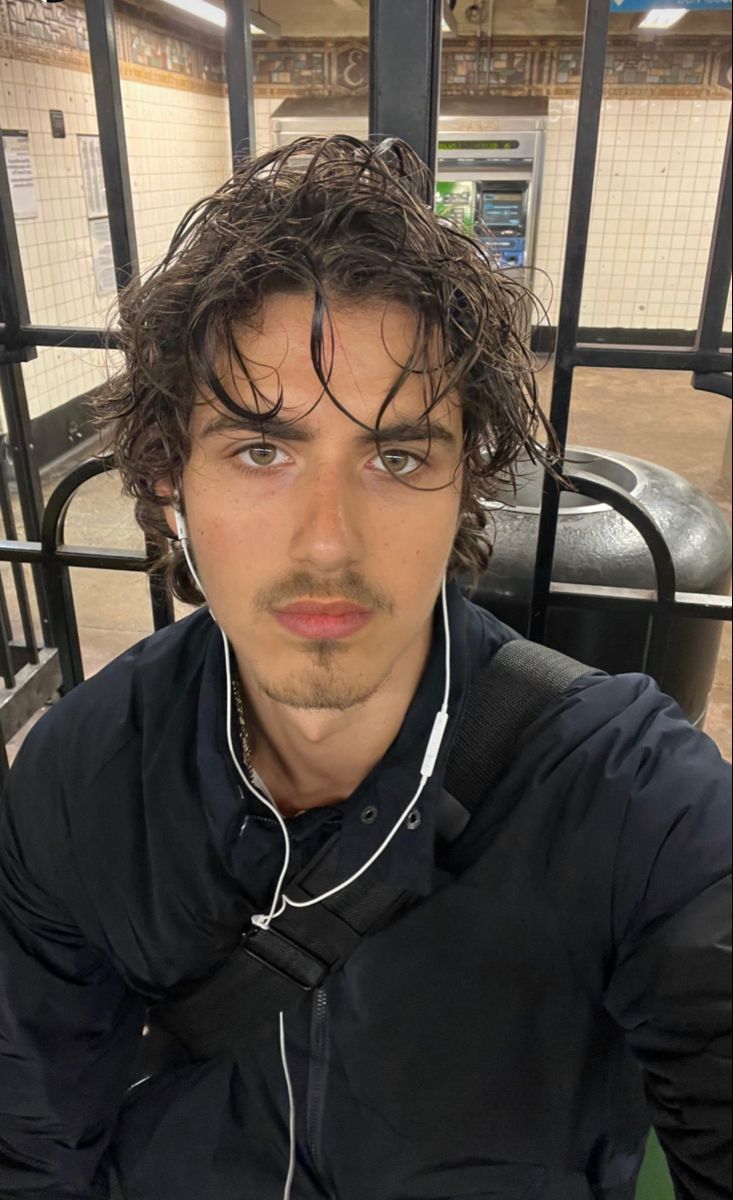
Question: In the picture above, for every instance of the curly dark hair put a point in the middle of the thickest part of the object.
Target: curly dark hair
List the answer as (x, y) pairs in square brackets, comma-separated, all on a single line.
[(340, 219)]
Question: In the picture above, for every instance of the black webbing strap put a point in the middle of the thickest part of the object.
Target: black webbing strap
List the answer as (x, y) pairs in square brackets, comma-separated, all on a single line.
[(271, 969), (520, 682)]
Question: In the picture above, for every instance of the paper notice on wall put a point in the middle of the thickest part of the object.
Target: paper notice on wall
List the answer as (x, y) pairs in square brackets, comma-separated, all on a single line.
[(102, 257), (23, 193), (93, 176)]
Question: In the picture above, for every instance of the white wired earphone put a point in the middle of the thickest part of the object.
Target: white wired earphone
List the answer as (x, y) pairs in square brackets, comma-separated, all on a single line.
[(280, 901)]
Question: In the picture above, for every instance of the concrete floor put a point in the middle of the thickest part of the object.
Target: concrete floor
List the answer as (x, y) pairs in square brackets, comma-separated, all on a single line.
[(653, 415)]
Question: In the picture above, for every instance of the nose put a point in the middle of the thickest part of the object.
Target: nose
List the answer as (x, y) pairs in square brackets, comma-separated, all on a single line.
[(327, 533)]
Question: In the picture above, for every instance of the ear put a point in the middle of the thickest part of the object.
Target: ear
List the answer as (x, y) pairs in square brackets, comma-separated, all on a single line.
[(166, 490)]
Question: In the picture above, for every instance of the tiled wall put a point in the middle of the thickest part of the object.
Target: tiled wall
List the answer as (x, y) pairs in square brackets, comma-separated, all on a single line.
[(658, 174), (178, 147), (264, 108), (178, 151)]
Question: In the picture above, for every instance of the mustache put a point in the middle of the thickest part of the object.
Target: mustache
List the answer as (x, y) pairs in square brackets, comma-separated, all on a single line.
[(304, 585)]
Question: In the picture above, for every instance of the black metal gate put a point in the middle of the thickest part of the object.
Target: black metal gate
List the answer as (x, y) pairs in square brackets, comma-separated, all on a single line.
[(404, 102)]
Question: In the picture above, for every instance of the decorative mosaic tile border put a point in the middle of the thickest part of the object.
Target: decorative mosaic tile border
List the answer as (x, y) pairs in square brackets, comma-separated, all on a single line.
[(56, 34)]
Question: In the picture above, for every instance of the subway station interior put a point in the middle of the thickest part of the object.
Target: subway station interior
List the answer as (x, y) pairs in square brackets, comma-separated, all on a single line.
[(587, 146)]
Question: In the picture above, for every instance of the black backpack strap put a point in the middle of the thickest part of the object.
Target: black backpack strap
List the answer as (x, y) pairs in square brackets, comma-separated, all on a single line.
[(519, 682), (272, 969)]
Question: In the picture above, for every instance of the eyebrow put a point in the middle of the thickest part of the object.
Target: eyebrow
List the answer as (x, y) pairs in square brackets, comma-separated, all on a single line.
[(292, 431)]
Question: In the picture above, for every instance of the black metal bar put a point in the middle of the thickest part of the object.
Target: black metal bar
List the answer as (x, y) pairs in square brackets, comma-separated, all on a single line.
[(6, 660), (22, 447), (615, 599), (114, 560), (659, 626), (59, 558), (581, 199), (717, 282), (404, 75), (562, 595), (4, 765), (65, 628), (720, 385), (21, 591), (13, 298), (110, 118), (652, 358), (75, 556), (30, 494), (60, 335), (240, 79), (58, 500), (5, 621), (586, 354), (26, 616), (627, 506)]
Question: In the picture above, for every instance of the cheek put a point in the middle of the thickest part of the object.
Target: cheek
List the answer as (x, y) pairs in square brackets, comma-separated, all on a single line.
[(420, 543)]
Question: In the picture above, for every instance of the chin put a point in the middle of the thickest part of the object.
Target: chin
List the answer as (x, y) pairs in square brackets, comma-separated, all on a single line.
[(318, 690)]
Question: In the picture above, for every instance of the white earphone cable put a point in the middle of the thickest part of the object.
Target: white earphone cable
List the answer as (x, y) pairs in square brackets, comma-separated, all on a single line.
[(280, 901), (291, 1110), (264, 923), (182, 530), (428, 765)]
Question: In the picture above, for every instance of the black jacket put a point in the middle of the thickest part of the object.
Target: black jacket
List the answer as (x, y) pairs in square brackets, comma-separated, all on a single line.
[(566, 976)]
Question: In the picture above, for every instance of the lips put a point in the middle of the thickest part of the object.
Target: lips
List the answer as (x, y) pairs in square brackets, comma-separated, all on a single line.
[(323, 619), (330, 608)]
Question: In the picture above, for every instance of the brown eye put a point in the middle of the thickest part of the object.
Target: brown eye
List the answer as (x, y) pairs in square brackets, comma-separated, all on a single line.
[(258, 455), (399, 462)]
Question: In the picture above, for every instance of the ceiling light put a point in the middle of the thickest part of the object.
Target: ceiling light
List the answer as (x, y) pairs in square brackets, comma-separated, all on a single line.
[(259, 23), (202, 9), (662, 18)]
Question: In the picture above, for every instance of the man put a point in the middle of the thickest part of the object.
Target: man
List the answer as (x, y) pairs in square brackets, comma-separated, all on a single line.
[(323, 384)]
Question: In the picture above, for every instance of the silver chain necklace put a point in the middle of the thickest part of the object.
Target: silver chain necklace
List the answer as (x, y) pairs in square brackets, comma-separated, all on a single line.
[(243, 735)]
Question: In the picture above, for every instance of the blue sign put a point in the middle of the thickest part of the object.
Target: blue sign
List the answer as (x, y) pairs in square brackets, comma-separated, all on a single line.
[(690, 5)]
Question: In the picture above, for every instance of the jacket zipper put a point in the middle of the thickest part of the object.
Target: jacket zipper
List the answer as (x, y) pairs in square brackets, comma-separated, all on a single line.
[(317, 1080)]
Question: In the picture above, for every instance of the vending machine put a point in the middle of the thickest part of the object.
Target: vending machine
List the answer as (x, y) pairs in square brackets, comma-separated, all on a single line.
[(490, 155), (491, 185), (502, 221)]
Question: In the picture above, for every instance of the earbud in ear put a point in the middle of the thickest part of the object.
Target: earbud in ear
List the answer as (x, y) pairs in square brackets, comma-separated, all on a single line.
[(181, 526), (182, 531)]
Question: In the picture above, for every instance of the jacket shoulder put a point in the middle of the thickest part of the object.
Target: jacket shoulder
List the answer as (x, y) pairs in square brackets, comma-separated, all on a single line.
[(90, 724)]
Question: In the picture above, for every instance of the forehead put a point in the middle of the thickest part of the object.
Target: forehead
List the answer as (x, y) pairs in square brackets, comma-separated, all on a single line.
[(364, 348), (373, 335)]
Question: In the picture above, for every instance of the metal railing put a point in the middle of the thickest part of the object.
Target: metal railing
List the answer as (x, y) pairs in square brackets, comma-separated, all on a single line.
[(403, 102)]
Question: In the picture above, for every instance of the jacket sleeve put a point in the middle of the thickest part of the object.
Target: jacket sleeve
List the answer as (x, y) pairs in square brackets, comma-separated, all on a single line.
[(670, 987), (68, 1026)]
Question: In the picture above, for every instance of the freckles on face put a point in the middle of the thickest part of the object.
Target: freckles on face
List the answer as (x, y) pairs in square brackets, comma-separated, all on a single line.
[(312, 507)]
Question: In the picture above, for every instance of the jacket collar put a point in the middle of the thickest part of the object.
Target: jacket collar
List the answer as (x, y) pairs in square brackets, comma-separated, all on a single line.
[(391, 784)]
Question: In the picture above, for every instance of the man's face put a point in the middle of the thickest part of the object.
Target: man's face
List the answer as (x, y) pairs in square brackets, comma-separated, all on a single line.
[(312, 513)]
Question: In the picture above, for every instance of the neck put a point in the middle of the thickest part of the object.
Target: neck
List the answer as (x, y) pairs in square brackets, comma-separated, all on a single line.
[(309, 758)]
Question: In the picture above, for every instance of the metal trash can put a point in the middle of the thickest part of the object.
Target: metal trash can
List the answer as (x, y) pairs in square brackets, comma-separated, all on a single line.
[(595, 545)]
